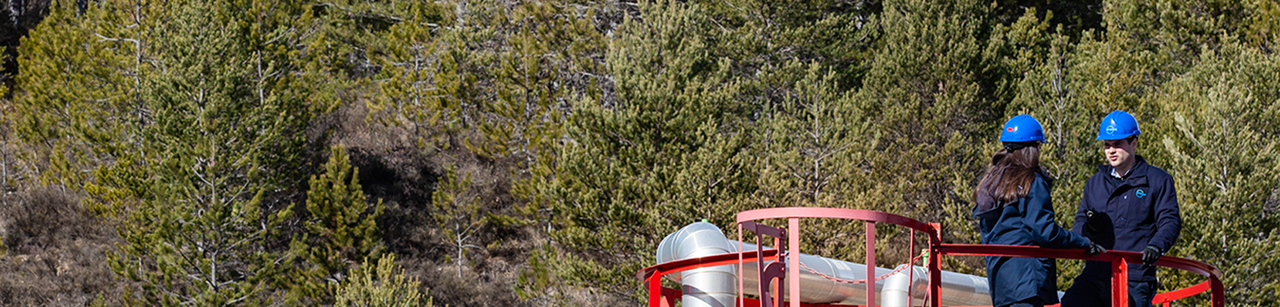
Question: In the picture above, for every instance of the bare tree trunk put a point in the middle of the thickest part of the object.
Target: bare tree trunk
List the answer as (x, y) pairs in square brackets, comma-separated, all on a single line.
[(461, 10), (459, 260)]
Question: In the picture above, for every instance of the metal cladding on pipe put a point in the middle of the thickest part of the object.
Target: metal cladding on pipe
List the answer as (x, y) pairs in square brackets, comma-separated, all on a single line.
[(957, 289), (815, 288), (717, 286), (703, 287), (895, 292)]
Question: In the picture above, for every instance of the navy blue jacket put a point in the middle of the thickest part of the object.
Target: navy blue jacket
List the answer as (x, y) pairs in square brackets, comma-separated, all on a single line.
[(1141, 210), (1029, 221)]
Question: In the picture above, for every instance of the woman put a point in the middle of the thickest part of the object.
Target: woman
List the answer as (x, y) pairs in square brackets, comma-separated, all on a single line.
[(1013, 208)]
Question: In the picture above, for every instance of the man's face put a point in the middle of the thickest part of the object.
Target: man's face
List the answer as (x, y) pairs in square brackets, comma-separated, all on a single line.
[(1119, 152)]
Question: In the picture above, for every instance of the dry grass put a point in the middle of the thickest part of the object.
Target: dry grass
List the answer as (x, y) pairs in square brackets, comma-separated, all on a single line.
[(56, 252)]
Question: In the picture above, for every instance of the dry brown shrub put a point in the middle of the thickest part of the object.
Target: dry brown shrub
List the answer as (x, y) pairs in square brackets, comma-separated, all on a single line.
[(43, 218), (57, 253)]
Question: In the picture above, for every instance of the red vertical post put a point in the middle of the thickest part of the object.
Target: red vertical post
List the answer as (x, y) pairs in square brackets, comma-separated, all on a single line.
[(1119, 281), (871, 263), (793, 261), (655, 290), (1217, 296), (935, 271), (777, 292), (911, 268), (742, 269)]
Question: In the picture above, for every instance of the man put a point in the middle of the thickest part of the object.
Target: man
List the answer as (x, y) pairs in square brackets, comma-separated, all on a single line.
[(1128, 205)]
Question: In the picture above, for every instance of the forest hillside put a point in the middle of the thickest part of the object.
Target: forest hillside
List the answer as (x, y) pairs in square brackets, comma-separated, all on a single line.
[(534, 153)]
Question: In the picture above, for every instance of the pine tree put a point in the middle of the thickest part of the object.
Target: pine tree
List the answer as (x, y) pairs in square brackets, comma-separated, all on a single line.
[(8, 150), (816, 141), (1221, 114), (341, 230), (76, 128), (935, 93), (202, 131), (814, 150), (666, 151), (457, 213), (549, 61), (418, 84), (381, 284)]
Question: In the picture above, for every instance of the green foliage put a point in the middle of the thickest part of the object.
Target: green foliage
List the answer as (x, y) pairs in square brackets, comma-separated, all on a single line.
[(1217, 138), (934, 89), (817, 142), (550, 60), (9, 174), (665, 152), (77, 127), (383, 284), (191, 126), (188, 117), (341, 229), (418, 84), (457, 213)]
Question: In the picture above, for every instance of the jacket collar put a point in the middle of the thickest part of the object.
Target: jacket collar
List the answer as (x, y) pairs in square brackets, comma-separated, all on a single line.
[(1137, 175)]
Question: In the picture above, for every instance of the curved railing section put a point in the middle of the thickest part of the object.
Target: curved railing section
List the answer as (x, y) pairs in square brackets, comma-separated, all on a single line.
[(660, 296), (1119, 274)]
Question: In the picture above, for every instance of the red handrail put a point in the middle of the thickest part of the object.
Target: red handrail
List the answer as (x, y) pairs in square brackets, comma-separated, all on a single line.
[(665, 297), (1214, 275)]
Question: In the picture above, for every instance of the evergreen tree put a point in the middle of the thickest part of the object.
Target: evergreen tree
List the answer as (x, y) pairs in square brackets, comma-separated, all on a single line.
[(196, 109), (77, 95), (381, 284), (1220, 114), (815, 147), (548, 62), (419, 85), (816, 141), (341, 229), (457, 213), (934, 100), (669, 149), (8, 150)]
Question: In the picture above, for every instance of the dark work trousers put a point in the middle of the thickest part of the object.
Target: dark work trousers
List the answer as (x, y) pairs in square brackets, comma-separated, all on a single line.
[(1031, 302), (1092, 292)]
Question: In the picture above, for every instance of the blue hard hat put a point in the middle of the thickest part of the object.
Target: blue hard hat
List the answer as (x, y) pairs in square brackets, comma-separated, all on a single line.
[(1118, 125), (1022, 128)]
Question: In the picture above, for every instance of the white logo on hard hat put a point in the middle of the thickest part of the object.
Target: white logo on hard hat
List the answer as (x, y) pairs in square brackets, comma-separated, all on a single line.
[(1111, 129)]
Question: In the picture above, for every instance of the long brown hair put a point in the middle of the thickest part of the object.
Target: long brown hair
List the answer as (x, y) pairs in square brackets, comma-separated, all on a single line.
[(1010, 174)]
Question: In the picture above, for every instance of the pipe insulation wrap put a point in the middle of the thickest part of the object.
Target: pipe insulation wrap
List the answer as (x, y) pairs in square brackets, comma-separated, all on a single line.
[(717, 286), (703, 287), (957, 289)]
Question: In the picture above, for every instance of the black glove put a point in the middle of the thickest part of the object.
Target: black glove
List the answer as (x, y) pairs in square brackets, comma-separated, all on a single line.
[(1095, 249), (1151, 254), (1091, 222)]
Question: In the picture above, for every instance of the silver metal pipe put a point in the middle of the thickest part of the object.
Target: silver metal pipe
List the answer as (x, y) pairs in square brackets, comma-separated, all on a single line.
[(703, 287), (707, 286), (717, 286), (957, 289)]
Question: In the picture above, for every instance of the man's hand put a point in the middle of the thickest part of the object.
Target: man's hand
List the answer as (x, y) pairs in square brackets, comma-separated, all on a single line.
[(1091, 221), (1151, 254), (1095, 249)]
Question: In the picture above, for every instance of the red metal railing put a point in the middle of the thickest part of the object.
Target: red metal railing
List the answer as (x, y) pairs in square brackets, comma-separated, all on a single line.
[(665, 297)]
